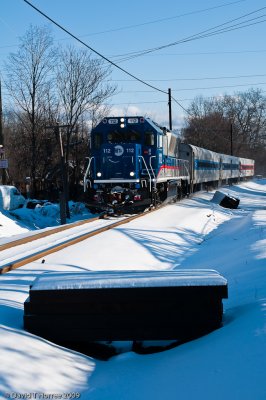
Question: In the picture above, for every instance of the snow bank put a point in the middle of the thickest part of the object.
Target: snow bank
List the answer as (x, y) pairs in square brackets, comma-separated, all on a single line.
[(127, 279), (229, 363)]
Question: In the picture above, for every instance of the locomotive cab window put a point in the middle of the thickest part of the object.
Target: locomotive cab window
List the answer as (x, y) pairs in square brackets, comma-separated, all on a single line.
[(149, 139), (97, 140), (165, 145), (172, 145), (160, 141)]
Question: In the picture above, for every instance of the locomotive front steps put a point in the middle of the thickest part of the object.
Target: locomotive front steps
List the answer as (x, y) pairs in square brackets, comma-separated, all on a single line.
[(81, 308)]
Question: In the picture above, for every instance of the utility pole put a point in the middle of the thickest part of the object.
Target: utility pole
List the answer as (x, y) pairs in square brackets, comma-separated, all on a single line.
[(1, 116), (231, 138), (63, 196), (170, 108), (3, 161)]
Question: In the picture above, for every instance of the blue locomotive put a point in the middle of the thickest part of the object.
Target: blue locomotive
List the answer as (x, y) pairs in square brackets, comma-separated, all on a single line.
[(136, 163)]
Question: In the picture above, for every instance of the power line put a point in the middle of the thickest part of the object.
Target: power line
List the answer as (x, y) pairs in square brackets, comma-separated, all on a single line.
[(163, 19), (142, 53), (139, 102), (193, 37), (93, 50), (220, 87), (196, 36), (202, 53), (146, 23), (179, 100), (206, 97), (100, 55), (199, 35), (195, 79), (199, 88), (180, 105)]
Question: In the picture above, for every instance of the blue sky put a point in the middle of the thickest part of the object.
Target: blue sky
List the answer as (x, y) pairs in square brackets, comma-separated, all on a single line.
[(211, 66)]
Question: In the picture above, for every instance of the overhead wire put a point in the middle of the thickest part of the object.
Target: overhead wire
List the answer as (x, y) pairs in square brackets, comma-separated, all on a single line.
[(163, 19), (202, 53), (197, 36), (134, 54), (147, 22), (195, 79), (120, 60), (92, 49), (199, 88), (102, 56), (219, 87), (161, 101)]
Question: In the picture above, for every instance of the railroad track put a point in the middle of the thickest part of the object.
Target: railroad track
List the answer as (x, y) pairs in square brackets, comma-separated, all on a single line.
[(51, 247), (41, 235)]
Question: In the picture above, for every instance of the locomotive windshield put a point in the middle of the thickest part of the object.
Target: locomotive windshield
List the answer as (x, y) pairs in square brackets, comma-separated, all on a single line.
[(128, 136), (132, 133), (125, 136)]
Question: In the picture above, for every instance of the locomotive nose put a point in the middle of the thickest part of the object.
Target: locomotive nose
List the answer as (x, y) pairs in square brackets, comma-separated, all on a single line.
[(119, 162)]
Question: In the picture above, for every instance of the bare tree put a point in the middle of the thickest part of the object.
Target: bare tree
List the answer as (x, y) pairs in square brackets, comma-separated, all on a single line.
[(82, 91), (247, 113), (16, 147), (81, 87), (207, 126), (212, 121), (29, 83)]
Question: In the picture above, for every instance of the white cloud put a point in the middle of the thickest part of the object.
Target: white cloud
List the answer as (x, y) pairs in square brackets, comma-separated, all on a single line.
[(159, 116)]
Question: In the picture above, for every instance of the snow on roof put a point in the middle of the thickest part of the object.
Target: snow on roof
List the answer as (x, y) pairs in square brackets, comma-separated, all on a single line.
[(128, 279)]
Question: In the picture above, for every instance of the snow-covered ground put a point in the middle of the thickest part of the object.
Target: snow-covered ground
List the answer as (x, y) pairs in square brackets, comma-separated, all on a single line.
[(229, 363), (25, 219)]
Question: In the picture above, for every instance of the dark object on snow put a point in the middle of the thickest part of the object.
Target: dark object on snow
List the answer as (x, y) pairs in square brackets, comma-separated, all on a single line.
[(31, 204), (230, 202), (77, 309), (225, 200)]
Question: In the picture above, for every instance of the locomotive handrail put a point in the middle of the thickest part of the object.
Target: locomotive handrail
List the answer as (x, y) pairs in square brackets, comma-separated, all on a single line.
[(186, 167), (141, 157), (86, 173), (151, 166)]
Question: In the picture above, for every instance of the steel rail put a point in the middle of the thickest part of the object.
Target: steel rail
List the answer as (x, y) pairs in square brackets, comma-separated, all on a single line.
[(69, 242), (41, 235)]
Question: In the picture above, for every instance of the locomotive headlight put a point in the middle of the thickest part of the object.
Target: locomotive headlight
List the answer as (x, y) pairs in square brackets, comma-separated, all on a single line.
[(132, 173), (99, 174), (122, 119), (122, 125)]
